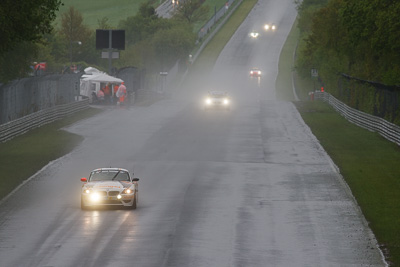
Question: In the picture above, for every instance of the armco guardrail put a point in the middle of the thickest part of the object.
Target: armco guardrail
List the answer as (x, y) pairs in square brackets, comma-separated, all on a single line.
[(22, 125), (387, 129), (212, 21)]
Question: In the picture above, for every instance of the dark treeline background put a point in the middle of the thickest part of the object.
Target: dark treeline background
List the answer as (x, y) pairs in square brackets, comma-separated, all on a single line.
[(152, 43), (355, 46)]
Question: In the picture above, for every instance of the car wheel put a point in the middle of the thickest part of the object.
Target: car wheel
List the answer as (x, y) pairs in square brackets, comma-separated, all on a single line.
[(133, 207), (83, 206)]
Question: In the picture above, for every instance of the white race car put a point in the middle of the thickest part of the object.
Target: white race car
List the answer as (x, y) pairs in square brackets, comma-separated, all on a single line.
[(109, 187), (254, 34), (271, 27), (217, 99)]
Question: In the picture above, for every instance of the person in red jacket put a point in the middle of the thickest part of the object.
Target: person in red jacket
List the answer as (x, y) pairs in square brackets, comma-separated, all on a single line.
[(107, 93), (121, 93)]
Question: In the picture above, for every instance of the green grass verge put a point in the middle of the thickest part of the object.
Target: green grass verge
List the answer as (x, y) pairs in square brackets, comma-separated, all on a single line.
[(24, 155), (94, 10), (283, 84), (368, 162)]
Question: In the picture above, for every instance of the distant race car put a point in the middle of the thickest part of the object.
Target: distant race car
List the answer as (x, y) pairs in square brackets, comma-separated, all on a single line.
[(109, 187), (270, 27), (255, 72), (217, 99), (254, 34)]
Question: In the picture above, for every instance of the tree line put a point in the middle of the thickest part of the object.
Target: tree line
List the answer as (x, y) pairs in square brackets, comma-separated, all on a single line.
[(152, 43), (355, 46)]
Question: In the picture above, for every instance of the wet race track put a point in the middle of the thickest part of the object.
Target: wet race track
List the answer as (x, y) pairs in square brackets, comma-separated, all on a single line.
[(245, 187)]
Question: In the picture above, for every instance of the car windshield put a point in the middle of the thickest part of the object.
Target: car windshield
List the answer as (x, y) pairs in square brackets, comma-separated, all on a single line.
[(109, 175), (217, 95)]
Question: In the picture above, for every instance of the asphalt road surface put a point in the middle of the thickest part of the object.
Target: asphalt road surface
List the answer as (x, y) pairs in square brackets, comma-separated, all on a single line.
[(245, 187)]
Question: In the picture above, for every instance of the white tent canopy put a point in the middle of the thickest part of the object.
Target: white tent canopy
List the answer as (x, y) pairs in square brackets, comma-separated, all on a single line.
[(92, 82), (102, 77), (91, 70)]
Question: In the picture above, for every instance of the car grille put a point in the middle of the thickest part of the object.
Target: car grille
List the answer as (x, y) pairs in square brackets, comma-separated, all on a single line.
[(109, 193), (113, 193)]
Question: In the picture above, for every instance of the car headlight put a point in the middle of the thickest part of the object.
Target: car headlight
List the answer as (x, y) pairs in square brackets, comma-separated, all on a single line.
[(254, 34), (95, 197), (127, 191), (226, 101), (87, 191), (251, 72), (266, 27), (273, 27), (208, 101), (259, 73)]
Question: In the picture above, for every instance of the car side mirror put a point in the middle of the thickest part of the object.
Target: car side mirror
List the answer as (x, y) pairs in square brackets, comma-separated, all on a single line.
[(135, 179), (83, 180)]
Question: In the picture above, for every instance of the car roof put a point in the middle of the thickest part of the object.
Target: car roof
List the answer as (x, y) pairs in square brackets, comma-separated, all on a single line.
[(110, 169), (217, 92)]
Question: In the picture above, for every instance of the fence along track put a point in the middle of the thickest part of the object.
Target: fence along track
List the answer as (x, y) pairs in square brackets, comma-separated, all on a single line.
[(22, 125), (387, 129)]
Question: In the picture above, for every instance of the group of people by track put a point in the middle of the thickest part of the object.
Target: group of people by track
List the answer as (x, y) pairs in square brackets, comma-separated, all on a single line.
[(111, 94)]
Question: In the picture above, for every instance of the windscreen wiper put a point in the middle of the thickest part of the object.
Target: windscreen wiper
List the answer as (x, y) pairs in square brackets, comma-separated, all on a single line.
[(115, 175)]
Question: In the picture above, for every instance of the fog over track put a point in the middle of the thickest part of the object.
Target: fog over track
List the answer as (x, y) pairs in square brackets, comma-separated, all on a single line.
[(246, 187)]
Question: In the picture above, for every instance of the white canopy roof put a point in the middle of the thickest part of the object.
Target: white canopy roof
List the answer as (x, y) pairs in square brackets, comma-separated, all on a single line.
[(91, 70), (102, 77)]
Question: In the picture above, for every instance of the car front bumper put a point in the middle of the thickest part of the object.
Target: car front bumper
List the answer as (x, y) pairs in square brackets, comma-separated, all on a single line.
[(125, 200)]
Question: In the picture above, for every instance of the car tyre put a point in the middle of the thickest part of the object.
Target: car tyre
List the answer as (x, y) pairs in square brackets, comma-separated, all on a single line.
[(83, 206), (133, 207)]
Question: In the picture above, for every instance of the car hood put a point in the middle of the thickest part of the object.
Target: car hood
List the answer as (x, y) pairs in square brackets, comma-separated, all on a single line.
[(108, 185)]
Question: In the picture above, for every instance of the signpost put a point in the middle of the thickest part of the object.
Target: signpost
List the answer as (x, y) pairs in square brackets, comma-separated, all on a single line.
[(314, 73), (110, 40)]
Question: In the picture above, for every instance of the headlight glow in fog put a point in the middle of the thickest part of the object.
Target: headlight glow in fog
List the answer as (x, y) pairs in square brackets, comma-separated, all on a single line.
[(127, 191), (95, 197), (208, 101), (226, 101), (119, 196)]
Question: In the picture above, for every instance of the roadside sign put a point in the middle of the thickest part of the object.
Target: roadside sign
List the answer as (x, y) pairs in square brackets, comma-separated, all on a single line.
[(314, 73), (114, 54)]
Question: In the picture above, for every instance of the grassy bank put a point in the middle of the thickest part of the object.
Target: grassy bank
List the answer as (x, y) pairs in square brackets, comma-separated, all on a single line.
[(26, 154), (368, 162), (93, 11), (283, 85)]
